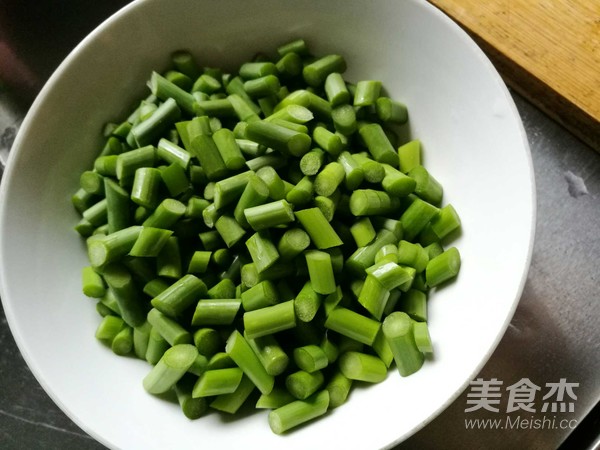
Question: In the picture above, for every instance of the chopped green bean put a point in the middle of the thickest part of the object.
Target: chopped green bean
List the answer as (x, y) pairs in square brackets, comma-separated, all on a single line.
[(307, 302), (398, 330), (109, 328), (310, 358), (427, 187), (269, 215), (141, 337), (259, 296), (367, 92), (231, 232), (217, 382), (354, 173), (373, 171), (339, 388), (256, 192), (320, 271), (318, 228), (151, 129), (269, 320), (193, 408), (415, 217), (150, 242), (170, 368), (383, 350), (277, 398), (378, 144), (166, 214), (353, 325), (154, 287), (374, 295), (121, 283), (240, 351), (328, 141), (396, 183), (179, 296), (409, 156), (370, 202), (391, 111), (157, 346), (92, 283), (213, 312), (443, 267), (362, 367), (311, 162), (165, 90), (279, 138), (422, 338), (262, 250), (445, 222), (315, 73), (298, 412), (363, 232), (230, 403), (270, 354), (168, 261)]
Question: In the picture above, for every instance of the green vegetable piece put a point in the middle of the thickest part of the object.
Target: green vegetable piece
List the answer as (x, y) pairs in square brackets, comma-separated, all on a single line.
[(320, 271), (318, 228), (171, 367), (179, 296), (259, 296), (167, 213), (230, 403), (109, 328), (339, 388), (415, 217), (277, 398), (269, 320), (422, 338), (240, 351), (353, 325), (427, 187), (121, 283), (307, 302), (270, 354), (367, 92), (370, 202), (315, 73), (310, 358), (298, 412), (378, 144), (362, 367), (391, 111), (443, 267), (93, 285), (217, 382), (269, 215), (398, 330), (231, 232), (409, 156), (150, 242), (212, 312), (168, 328), (280, 138)]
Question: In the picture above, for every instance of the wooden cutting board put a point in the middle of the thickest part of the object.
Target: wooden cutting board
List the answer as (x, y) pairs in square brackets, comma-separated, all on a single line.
[(547, 50)]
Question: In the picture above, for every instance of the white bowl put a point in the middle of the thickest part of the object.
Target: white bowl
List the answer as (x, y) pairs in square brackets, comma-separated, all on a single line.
[(473, 141)]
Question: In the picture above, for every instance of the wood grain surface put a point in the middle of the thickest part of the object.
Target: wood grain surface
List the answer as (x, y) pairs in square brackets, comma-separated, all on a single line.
[(547, 50)]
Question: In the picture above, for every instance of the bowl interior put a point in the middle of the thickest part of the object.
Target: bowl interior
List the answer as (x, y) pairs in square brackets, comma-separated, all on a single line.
[(473, 143)]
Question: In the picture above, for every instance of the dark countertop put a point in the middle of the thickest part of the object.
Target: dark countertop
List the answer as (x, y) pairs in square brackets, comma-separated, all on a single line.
[(554, 335)]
